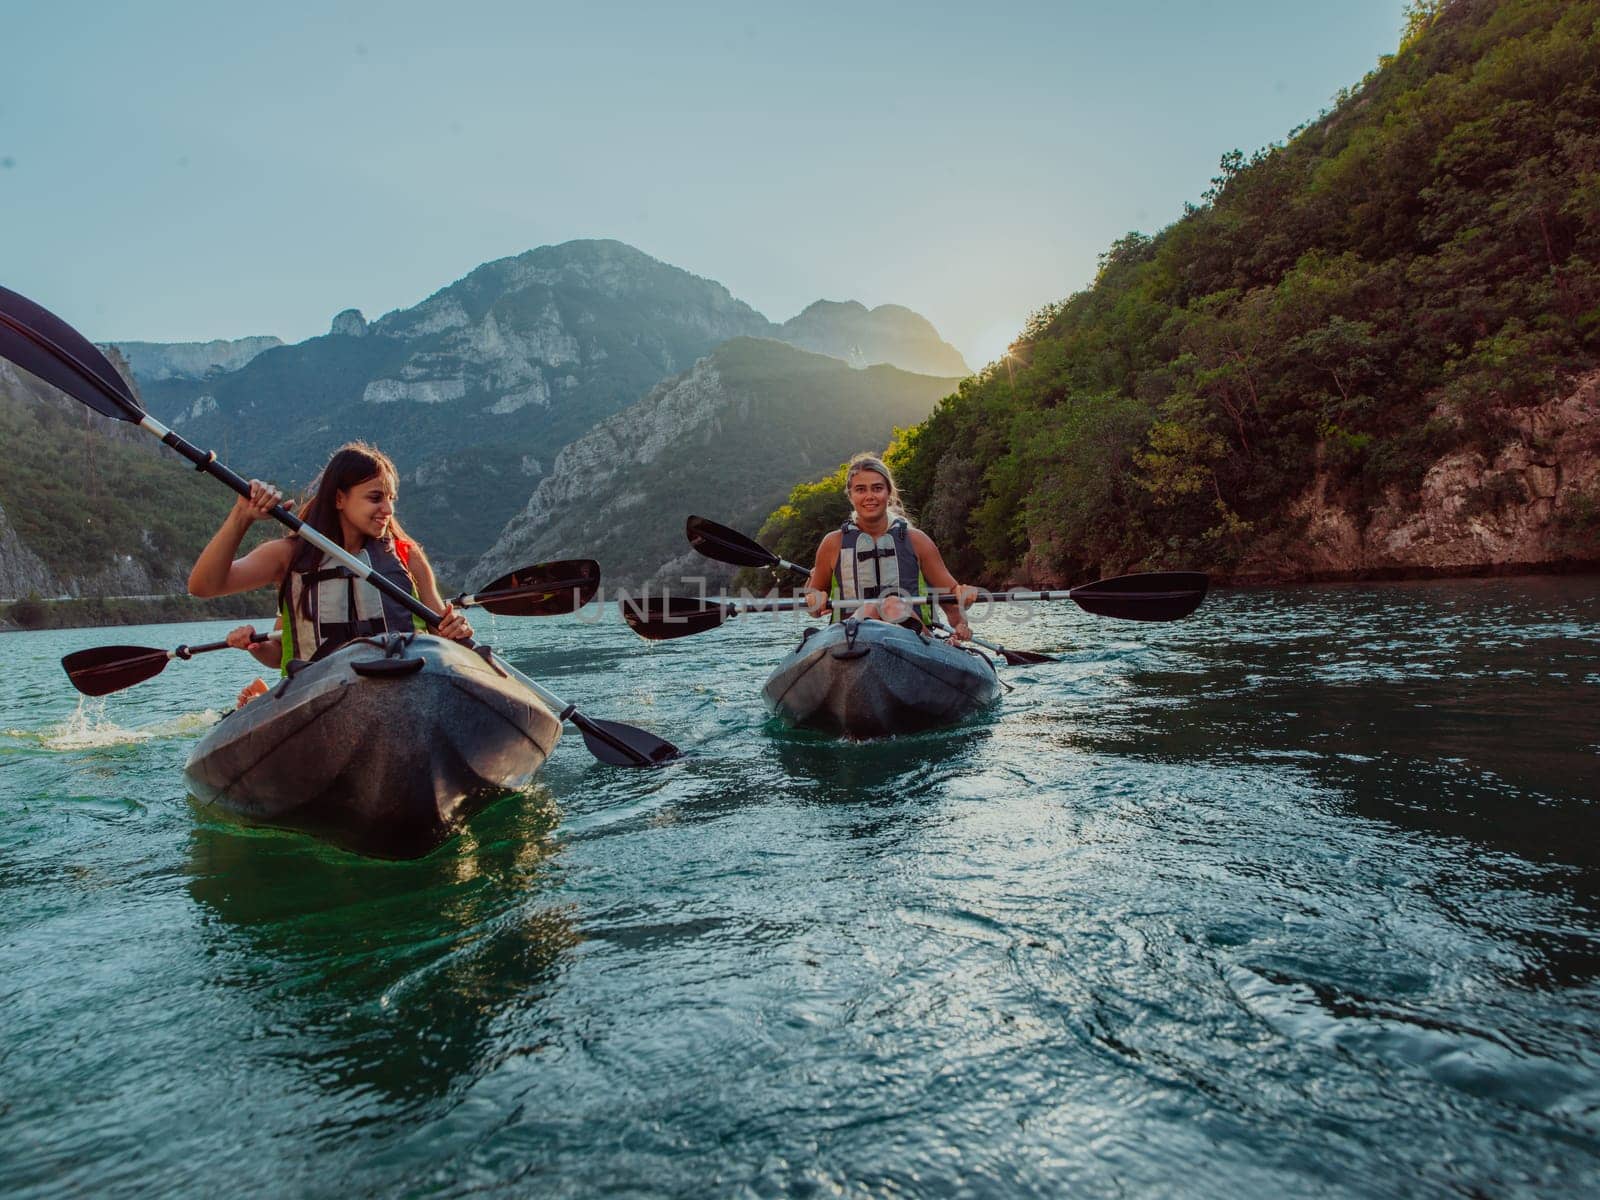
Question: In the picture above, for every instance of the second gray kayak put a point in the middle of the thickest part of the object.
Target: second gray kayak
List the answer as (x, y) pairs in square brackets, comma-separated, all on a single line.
[(384, 747), (866, 679)]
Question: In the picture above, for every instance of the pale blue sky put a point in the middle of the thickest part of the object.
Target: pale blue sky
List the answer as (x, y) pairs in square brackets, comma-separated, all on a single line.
[(179, 171)]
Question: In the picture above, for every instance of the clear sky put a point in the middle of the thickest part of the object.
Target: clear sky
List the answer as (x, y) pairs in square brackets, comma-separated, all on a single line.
[(179, 171)]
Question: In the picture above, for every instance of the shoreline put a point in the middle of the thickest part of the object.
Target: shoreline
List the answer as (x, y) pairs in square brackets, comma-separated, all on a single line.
[(98, 612), (1411, 574)]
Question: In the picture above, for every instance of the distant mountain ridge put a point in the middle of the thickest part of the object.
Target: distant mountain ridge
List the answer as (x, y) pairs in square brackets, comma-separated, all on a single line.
[(153, 361), (890, 334), (476, 389)]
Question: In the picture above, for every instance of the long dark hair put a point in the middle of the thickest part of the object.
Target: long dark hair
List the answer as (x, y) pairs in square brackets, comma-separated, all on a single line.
[(352, 463)]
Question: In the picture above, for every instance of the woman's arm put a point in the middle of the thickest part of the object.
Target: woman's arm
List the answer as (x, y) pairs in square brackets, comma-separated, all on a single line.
[(939, 577), (821, 581), (217, 573), (454, 626)]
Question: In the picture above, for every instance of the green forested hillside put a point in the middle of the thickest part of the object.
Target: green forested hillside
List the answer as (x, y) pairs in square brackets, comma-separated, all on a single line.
[(1390, 284), (83, 492)]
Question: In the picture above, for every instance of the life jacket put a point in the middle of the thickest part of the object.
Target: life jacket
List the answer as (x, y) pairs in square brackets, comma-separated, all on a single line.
[(343, 606), (870, 567)]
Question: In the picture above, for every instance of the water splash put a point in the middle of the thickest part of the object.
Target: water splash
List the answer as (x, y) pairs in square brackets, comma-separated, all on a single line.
[(89, 728)]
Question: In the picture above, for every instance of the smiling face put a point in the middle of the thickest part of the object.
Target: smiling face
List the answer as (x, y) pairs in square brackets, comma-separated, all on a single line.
[(365, 510), (869, 496)]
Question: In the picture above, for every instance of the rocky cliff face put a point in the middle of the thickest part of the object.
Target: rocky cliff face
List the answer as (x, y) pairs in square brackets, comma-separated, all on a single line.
[(21, 570), (154, 361), (728, 439), (1533, 505)]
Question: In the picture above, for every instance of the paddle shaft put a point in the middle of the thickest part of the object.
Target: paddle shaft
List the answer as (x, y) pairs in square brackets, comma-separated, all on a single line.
[(187, 652), (792, 603)]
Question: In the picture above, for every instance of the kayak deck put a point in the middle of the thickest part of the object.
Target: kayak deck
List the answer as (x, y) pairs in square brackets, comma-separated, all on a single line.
[(384, 747), (867, 679)]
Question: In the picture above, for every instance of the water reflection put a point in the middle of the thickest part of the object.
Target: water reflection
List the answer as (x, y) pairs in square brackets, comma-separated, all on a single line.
[(385, 978)]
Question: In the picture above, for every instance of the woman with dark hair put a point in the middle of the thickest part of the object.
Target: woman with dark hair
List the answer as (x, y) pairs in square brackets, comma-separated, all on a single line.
[(879, 555), (321, 605)]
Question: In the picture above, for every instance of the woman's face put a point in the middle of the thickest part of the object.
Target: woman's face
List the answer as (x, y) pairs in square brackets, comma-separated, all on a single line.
[(367, 507), (869, 494)]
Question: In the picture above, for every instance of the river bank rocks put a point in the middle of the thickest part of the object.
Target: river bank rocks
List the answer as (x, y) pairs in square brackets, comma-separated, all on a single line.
[(1533, 505)]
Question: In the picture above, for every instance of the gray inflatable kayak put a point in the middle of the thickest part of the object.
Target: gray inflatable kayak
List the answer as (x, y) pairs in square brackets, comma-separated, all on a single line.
[(384, 747), (866, 679)]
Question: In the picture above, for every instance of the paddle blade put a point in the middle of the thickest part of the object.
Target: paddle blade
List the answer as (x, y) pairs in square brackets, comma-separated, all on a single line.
[(1151, 596), (1023, 658), (619, 745), (542, 590), (661, 618), (41, 342), (727, 545), (101, 670)]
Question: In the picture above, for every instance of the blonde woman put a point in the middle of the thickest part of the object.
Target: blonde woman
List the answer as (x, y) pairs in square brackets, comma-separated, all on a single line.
[(878, 555)]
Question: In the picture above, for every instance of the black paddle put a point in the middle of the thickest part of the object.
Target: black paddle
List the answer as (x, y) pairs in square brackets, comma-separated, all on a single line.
[(38, 340), (542, 590), (1014, 658), (732, 547), (101, 670), (1147, 596), (1155, 596)]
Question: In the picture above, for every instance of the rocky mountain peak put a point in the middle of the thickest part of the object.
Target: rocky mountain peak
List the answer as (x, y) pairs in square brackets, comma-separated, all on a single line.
[(349, 323)]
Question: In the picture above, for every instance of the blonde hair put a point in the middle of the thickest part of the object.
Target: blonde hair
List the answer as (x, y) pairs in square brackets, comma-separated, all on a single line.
[(871, 462)]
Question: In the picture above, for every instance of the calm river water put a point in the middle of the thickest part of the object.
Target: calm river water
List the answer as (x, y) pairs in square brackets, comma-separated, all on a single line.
[(1295, 897)]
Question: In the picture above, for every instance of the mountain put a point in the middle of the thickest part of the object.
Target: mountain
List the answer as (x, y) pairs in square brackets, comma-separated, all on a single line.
[(152, 362), (727, 439), (861, 337), (474, 391), (1373, 350)]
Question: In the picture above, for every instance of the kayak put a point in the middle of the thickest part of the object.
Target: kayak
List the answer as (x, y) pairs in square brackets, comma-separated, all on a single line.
[(866, 679), (384, 747)]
